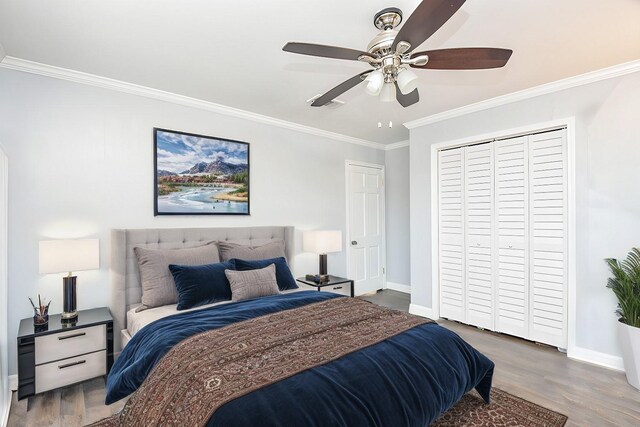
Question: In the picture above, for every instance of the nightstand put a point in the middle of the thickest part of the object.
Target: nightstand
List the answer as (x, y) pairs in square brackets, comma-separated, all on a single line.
[(65, 353), (335, 284)]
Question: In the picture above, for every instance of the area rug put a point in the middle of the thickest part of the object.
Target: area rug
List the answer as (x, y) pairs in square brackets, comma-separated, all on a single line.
[(505, 410)]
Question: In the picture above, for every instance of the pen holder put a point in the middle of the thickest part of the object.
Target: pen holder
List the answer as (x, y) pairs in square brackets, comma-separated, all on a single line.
[(41, 322)]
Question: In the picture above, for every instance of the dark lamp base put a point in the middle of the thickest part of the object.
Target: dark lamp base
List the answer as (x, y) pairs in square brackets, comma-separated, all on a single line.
[(323, 265), (69, 297)]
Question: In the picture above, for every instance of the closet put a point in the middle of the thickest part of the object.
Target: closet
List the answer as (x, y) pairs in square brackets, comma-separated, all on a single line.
[(502, 218)]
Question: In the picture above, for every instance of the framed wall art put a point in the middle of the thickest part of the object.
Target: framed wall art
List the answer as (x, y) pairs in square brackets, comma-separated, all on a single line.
[(200, 175)]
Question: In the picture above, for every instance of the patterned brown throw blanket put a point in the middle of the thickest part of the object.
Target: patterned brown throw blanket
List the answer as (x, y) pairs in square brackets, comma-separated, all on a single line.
[(204, 372)]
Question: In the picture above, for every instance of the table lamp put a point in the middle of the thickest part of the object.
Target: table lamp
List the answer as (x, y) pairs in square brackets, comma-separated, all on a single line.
[(322, 242), (60, 256)]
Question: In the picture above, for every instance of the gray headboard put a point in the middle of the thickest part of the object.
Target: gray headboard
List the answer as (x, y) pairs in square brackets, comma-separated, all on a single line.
[(125, 278)]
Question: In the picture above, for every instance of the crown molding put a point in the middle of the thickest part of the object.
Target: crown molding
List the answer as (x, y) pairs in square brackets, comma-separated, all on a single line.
[(32, 67), (568, 83), (395, 145)]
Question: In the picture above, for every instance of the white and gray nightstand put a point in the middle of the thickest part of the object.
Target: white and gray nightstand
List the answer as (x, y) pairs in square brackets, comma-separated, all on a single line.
[(65, 353)]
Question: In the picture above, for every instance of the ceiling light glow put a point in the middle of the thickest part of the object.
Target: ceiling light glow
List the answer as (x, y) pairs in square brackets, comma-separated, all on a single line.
[(407, 81), (388, 92), (375, 81)]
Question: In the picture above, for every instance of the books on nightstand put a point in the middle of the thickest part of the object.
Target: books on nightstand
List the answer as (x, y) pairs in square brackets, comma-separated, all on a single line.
[(317, 278)]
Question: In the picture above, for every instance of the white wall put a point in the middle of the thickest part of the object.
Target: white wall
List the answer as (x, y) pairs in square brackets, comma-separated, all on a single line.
[(397, 216), (607, 193), (82, 163)]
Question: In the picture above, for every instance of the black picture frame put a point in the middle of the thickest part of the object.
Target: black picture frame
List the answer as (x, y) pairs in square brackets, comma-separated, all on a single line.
[(184, 201)]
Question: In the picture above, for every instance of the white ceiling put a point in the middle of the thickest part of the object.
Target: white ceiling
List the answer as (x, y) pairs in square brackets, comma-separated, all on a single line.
[(230, 52)]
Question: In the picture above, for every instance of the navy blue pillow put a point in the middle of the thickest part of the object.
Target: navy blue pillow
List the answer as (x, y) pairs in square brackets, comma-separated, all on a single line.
[(283, 274), (201, 284)]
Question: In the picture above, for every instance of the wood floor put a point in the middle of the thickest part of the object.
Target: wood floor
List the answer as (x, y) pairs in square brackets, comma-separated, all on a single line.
[(587, 394), (73, 406)]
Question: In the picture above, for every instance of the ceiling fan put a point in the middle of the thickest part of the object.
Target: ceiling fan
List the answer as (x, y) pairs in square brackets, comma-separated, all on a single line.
[(390, 53)]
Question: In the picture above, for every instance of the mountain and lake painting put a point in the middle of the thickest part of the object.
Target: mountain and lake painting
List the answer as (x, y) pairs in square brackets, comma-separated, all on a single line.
[(200, 175)]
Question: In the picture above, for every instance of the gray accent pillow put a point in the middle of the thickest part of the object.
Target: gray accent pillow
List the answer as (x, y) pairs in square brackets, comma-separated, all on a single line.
[(229, 250), (158, 287), (252, 283)]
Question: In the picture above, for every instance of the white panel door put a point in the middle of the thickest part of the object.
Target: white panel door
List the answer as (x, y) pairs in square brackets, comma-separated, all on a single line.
[(479, 208), (548, 238), (366, 220), (512, 252), (451, 234)]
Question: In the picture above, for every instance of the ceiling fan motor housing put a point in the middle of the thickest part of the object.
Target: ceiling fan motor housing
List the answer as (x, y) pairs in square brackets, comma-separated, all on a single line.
[(381, 44), (385, 20)]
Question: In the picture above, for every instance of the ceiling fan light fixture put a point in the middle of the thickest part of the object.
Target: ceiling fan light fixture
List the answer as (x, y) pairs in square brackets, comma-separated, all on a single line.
[(374, 81), (388, 92), (390, 54), (407, 81)]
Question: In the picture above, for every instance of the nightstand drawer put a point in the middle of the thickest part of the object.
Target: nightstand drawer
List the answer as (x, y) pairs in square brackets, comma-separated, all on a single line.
[(342, 289), (70, 343), (69, 371)]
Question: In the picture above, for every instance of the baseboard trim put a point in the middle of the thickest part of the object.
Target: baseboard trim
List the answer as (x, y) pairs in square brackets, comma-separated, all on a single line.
[(596, 358), (13, 382), (6, 408), (576, 353), (420, 310), (399, 287)]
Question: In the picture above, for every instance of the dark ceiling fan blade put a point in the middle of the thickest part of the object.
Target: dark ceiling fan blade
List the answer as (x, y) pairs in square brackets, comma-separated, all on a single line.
[(465, 58), (408, 99), (428, 17), (323, 51), (340, 89)]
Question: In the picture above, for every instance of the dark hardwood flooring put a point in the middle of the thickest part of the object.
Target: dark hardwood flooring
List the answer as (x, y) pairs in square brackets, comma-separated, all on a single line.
[(589, 395)]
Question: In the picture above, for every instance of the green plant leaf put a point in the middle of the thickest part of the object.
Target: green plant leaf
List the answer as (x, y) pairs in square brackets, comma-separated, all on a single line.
[(625, 284)]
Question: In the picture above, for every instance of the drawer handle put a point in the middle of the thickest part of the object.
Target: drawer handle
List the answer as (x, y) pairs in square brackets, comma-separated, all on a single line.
[(68, 365), (337, 287), (81, 334)]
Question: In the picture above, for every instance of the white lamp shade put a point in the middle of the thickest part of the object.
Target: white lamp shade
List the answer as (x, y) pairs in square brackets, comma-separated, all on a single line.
[(374, 81), (322, 241), (388, 92), (407, 81), (61, 256)]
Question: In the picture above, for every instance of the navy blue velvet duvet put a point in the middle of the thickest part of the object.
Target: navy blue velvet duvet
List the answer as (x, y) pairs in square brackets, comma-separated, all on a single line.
[(406, 380)]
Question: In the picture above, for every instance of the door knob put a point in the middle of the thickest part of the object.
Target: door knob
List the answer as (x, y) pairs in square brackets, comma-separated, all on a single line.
[(353, 243)]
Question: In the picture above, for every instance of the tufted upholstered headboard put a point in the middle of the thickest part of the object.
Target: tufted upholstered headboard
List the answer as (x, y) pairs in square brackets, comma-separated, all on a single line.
[(126, 290)]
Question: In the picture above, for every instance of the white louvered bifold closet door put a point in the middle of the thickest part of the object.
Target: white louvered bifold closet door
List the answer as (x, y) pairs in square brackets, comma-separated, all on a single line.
[(479, 206), (548, 237), (512, 204), (503, 236), (451, 234)]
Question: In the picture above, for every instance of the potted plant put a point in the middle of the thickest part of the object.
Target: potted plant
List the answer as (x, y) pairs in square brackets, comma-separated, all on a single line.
[(625, 283)]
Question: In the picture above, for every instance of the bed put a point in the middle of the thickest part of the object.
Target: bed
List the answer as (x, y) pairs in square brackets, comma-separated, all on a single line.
[(126, 290), (296, 358)]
